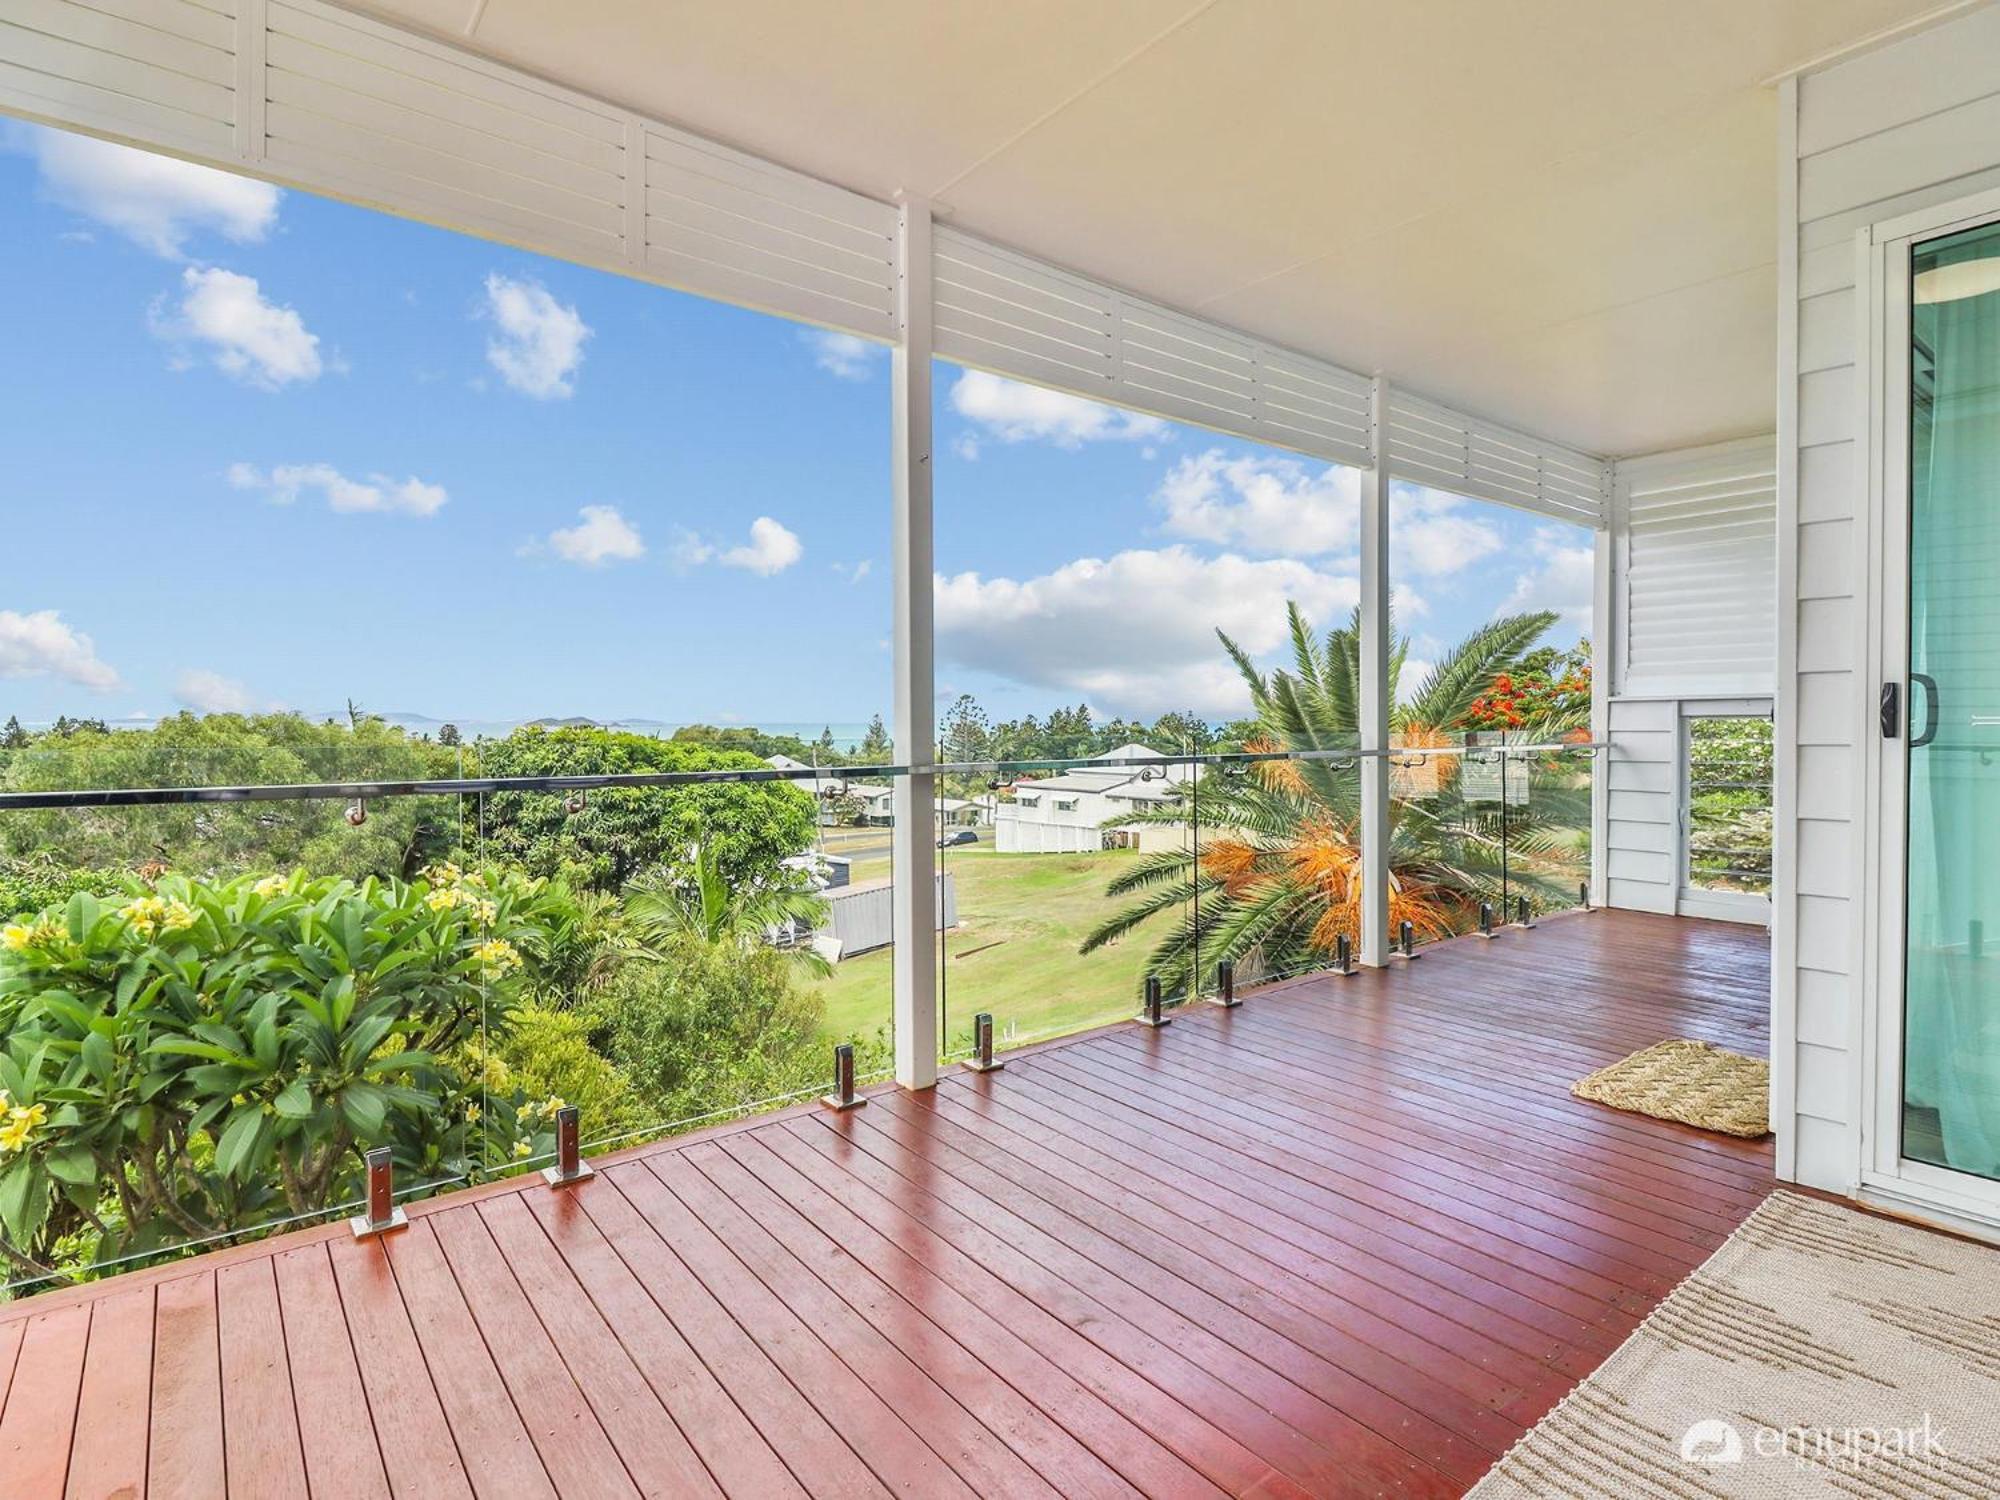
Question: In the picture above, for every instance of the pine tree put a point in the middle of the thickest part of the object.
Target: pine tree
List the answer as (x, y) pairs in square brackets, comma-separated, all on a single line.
[(13, 737), (875, 747)]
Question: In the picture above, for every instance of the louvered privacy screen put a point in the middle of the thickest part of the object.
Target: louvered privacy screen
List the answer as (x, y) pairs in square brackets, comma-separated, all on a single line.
[(1700, 538), (1017, 316), (1446, 450), (309, 93)]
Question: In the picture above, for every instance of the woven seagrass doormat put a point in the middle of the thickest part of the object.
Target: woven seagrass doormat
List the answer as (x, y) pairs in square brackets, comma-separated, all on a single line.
[(1691, 1082)]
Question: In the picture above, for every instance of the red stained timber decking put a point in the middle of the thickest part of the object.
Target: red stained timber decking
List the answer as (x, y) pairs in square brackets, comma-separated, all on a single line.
[(1350, 1239)]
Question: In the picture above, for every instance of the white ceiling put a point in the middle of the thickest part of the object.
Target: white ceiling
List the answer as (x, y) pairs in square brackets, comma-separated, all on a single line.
[(1559, 214)]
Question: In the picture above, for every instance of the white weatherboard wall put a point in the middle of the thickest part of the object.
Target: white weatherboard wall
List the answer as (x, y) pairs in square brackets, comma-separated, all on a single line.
[(1908, 126), (1694, 563)]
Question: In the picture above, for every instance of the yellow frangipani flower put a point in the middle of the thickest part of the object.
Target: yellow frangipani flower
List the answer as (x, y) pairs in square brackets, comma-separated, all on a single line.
[(14, 936), (472, 1113), (442, 899), (145, 914), (498, 957), (523, 1148), (21, 1124), (270, 885)]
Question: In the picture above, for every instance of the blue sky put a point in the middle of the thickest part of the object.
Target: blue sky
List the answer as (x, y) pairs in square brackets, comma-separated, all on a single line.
[(270, 450)]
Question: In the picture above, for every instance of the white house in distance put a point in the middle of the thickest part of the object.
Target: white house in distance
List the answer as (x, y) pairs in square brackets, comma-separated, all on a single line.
[(1066, 814), (829, 786)]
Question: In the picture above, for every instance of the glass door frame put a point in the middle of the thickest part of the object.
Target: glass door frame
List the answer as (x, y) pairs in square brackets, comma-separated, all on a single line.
[(1883, 255)]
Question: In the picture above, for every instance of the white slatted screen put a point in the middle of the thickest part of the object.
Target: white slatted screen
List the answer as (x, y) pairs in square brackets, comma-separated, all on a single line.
[(356, 108), (1447, 450), (1700, 576), (1009, 313), (743, 230), (163, 71), (311, 94)]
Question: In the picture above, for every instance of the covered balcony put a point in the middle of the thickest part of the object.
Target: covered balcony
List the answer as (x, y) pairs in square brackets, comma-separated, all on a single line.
[(1457, 962)]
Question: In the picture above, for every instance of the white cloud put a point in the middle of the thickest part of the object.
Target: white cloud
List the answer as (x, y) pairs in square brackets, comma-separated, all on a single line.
[(1415, 670), (539, 345), (285, 483), (601, 536), (1135, 632), (1017, 413), (1433, 534), (209, 692), (770, 550), (854, 572), (689, 550), (158, 202), (966, 446), (1565, 579), (40, 644), (842, 354), (249, 338), (1273, 506)]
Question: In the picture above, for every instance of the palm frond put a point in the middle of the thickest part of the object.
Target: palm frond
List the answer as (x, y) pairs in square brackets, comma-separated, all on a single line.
[(1448, 690)]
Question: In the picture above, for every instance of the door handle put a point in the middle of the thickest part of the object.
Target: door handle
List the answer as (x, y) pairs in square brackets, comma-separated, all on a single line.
[(1892, 718), (1930, 710)]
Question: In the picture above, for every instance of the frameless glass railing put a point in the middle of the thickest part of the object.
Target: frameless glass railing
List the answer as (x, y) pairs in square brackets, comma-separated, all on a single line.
[(1486, 829), (227, 1006)]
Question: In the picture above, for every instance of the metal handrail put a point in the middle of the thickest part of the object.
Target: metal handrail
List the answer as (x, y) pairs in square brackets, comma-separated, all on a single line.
[(371, 791)]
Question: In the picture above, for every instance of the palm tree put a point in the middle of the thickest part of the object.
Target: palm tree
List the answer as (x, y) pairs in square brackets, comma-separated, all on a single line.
[(1276, 879), (702, 906)]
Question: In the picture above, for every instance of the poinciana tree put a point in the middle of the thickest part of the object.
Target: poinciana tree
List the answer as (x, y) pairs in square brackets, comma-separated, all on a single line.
[(1276, 878)]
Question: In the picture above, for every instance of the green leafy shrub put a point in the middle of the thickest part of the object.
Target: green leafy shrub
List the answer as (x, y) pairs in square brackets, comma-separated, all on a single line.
[(200, 1058), (545, 1054), (708, 1027), (37, 885), (211, 840), (623, 831)]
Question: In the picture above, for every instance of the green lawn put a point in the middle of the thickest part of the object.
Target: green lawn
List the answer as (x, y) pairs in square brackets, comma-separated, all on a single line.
[(1013, 952)]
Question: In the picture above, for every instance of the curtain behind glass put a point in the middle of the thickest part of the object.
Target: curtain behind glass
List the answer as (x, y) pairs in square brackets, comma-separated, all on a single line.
[(1952, 1008)]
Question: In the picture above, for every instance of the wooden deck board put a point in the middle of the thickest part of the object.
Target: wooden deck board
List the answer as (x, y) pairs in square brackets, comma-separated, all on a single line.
[(108, 1452), (184, 1437), (1350, 1238)]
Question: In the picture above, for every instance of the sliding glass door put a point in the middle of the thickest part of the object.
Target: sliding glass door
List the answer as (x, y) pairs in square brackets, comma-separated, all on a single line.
[(1948, 720)]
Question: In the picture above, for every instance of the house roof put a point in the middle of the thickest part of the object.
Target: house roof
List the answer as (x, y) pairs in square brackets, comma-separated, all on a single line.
[(1557, 214)]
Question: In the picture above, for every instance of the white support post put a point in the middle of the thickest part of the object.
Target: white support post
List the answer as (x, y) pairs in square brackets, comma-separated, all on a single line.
[(1375, 649), (1606, 650), (913, 845)]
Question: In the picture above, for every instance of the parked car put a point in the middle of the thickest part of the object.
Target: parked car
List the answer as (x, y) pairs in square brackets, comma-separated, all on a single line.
[(957, 836)]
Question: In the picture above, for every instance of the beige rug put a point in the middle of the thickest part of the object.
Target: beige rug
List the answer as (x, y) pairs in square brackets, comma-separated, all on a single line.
[(1820, 1351), (1691, 1082)]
